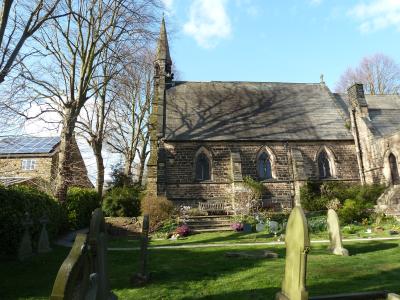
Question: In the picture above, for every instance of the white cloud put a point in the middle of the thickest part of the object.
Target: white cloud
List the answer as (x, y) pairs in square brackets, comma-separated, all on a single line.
[(376, 15), (208, 22)]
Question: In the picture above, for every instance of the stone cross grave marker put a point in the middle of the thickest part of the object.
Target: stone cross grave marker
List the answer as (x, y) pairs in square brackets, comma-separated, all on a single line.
[(43, 244), (297, 246), (25, 247), (335, 236), (143, 276)]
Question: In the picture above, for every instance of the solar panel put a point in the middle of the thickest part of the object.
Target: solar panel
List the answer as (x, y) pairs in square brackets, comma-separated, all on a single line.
[(28, 145)]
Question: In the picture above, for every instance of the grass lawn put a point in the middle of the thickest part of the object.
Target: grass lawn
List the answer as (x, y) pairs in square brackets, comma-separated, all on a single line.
[(208, 274), (231, 237)]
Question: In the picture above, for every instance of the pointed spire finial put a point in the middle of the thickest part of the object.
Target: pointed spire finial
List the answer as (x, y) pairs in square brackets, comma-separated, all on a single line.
[(162, 45)]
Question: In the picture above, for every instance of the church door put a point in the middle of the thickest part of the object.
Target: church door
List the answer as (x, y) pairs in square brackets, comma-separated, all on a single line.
[(394, 171)]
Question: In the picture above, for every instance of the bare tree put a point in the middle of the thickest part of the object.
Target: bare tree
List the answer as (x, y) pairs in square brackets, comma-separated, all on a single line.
[(19, 20), (130, 115), (93, 123), (379, 73), (74, 48)]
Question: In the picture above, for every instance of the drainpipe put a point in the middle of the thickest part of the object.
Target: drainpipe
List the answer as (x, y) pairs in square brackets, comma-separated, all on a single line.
[(358, 145)]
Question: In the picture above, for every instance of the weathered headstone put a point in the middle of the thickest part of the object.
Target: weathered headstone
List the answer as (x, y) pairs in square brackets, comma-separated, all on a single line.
[(274, 227), (72, 281), (297, 246), (260, 227), (335, 236), (142, 277), (25, 247), (83, 274), (43, 244), (98, 251)]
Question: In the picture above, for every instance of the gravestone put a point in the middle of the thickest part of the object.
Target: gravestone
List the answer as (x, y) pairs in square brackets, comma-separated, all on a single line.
[(98, 252), (43, 244), (297, 246), (274, 227), (83, 274), (260, 227), (335, 236), (25, 247), (142, 277)]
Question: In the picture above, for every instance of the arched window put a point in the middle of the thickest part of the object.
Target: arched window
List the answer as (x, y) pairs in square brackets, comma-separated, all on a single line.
[(324, 166), (203, 167), (264, 166)]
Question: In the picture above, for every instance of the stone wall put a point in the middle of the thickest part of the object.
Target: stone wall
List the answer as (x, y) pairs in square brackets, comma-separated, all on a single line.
[(12, 167), (182, 186), (46, 168)]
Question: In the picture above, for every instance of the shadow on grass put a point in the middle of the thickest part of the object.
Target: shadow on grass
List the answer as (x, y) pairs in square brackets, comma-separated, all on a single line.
[(175, 266), (32, 278), (209, 274), (253, 294), (377, 281), (361, 248)]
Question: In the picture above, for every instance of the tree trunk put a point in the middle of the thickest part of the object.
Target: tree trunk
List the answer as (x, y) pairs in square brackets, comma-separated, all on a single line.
[(64, 157), (128, 165), (100, 168), (143, 156)]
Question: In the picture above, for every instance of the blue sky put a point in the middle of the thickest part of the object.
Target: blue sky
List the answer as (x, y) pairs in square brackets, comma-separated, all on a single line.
[(287, 41)]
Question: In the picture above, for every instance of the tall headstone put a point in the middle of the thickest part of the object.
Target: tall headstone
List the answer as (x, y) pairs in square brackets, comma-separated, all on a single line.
[(98, 250), (83, 274), (335, 236), (43, 244), (142, 276), (25, 247), (297, 246)]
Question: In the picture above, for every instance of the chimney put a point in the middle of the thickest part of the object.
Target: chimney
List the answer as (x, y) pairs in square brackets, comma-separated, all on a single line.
[(357, 98)]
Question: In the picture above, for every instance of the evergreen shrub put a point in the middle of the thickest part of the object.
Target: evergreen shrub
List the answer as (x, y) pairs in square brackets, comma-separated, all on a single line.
[(80, 204), (122, 202), (14, 202)]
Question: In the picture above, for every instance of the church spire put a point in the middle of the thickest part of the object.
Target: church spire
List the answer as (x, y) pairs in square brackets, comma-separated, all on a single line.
[(162, 45)]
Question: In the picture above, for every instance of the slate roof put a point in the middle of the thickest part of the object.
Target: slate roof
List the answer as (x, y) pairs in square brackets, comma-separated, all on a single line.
[(28, 145), (383, 112), (8, 181), (211, 111)]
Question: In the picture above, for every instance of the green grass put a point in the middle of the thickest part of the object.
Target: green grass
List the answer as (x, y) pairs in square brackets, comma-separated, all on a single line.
[(231, 237), (208, 274)]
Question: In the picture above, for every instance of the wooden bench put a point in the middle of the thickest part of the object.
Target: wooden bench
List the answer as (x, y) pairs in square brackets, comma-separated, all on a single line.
[(212, 206)]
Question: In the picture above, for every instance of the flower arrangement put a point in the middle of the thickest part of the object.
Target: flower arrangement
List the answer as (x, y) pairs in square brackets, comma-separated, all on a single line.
[(183, 230), (237, 226)]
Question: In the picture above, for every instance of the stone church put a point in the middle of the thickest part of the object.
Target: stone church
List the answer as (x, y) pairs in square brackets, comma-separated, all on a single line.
[(207, 136)]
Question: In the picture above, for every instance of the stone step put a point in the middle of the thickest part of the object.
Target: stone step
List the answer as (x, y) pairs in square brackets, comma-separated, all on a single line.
[(210, 217), (212, 229), (209, 225), (209, 221)]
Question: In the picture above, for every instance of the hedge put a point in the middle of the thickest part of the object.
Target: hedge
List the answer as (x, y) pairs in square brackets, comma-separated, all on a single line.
[(14, 202), (122, 202), (79, 206)]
